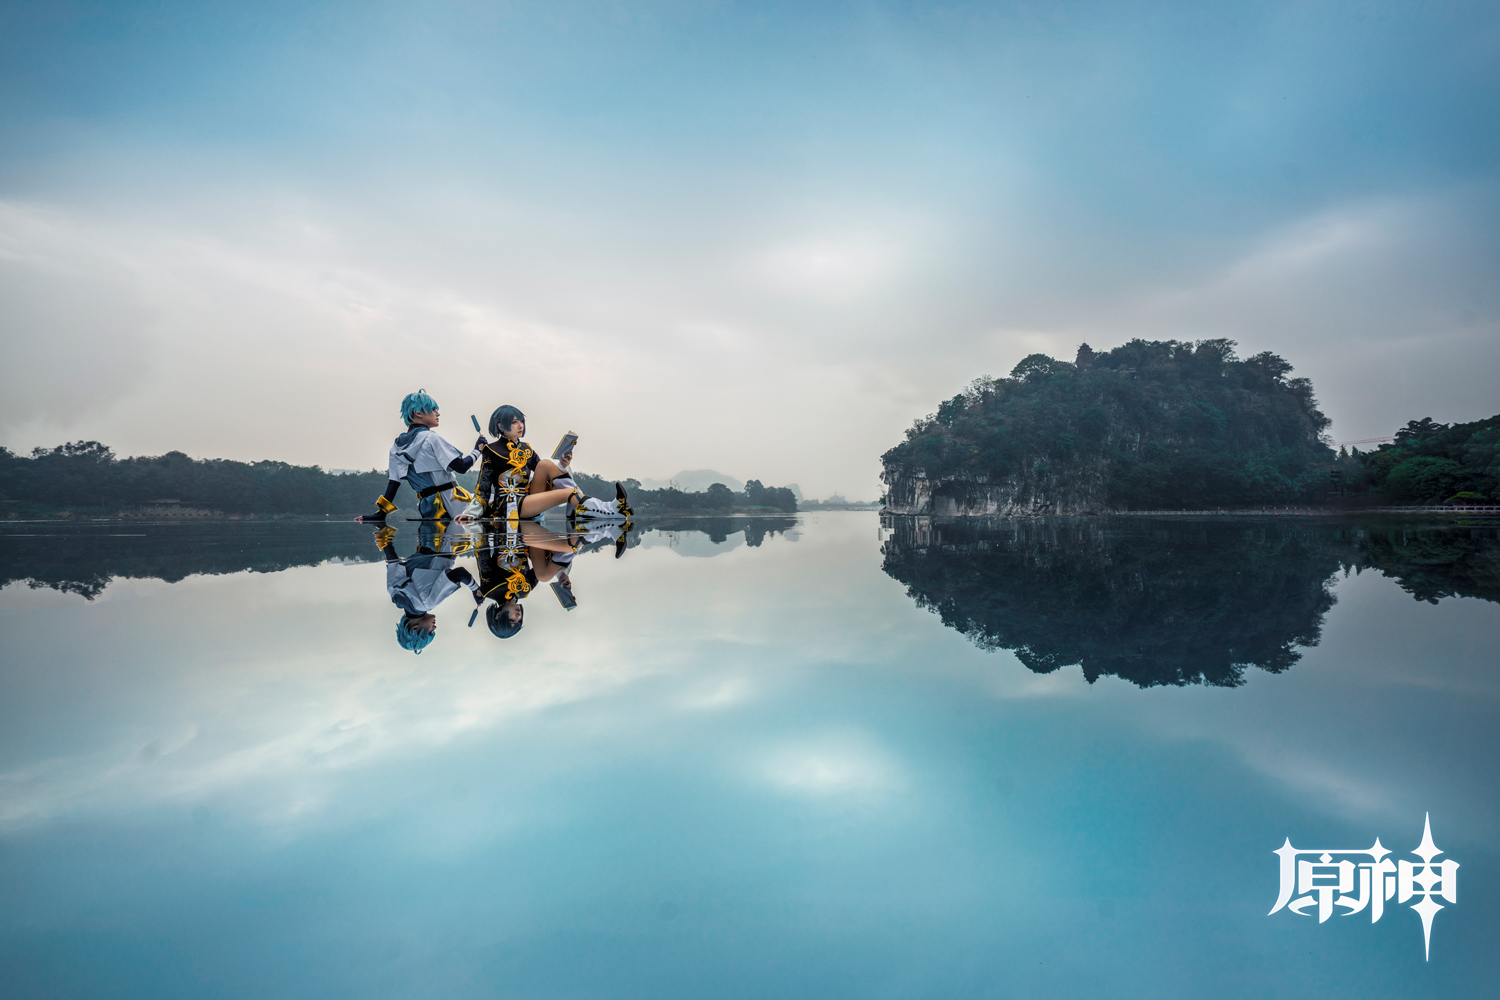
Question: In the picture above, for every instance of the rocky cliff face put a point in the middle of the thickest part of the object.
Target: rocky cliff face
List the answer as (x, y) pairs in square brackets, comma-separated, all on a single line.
[(1079, 488)]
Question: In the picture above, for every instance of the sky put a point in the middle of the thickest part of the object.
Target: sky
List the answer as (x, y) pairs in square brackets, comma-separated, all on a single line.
[(759, 238)]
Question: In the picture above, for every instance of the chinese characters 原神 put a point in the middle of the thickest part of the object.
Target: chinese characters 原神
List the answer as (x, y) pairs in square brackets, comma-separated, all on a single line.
[(1327, 878)]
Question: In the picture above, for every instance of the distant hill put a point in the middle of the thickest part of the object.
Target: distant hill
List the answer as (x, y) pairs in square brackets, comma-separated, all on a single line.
[(695, 481), (1149, 425)]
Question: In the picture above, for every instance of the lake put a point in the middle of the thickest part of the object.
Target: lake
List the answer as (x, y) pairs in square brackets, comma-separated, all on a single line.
[(811, 756)]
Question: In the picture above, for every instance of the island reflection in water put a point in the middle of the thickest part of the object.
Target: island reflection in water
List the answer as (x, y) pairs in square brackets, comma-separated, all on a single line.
[(1168, 601)]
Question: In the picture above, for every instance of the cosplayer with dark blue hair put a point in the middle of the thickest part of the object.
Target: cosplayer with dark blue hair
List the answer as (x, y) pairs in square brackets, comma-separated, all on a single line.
[(515, 482), (505, 620), (428, 463), (502, 419)]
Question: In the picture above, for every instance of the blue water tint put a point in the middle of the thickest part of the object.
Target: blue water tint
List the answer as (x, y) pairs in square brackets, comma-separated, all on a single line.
[(734, 770)]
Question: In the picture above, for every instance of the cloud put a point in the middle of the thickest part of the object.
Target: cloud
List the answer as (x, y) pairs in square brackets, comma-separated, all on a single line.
[(77, 326), (702, 243), (1389, 305), (828, 268)]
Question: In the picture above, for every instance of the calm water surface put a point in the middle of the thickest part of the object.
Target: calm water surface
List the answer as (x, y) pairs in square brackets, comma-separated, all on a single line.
[(795, 757)]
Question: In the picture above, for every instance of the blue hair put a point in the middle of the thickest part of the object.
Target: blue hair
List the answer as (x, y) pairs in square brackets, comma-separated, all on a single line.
[(413, 639), (416, 402), (502, 418)]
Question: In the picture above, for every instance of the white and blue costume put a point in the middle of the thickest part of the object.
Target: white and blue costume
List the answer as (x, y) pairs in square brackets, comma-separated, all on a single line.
[(427, 462), (419, 583)]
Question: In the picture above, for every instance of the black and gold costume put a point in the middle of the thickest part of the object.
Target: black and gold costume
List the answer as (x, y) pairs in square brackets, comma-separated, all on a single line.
[(505, 572), (505, 477)]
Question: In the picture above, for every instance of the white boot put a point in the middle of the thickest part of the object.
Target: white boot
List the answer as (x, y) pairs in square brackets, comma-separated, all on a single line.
[(594, 509)]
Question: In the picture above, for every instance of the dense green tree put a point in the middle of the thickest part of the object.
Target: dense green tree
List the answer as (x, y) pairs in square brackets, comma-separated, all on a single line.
[(87, 475), (1430, 462), (1150, 424)]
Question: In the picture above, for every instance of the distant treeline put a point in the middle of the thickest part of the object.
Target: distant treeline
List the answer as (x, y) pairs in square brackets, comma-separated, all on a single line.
[(1430, 463), (87, 476), (717, 499)]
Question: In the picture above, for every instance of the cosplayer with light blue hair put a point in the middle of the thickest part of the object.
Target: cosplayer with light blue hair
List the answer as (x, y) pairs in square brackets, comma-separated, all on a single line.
[(421, 582), (411, 634), (428, 463)]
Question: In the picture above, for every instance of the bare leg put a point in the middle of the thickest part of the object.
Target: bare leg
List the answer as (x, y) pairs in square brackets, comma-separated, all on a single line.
[(540, 495), (543, 566), (539, 540), (541, 479), (535, 503)]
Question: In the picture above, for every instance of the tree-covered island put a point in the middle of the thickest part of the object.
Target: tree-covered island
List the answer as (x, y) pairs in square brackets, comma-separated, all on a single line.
[(1149, 425)]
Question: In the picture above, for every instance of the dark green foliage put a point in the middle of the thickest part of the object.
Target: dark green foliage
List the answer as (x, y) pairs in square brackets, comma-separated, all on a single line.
[(1430, 462), (1155, 424), (86, 475), (1168, 602)]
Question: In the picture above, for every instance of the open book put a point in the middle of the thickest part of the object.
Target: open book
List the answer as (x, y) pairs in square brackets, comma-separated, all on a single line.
[(564, 595), (564, 446)]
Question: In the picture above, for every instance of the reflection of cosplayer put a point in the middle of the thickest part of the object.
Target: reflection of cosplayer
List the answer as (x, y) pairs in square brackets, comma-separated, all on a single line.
[(514, 564), (420, 583), (428, 463), (515, 483)]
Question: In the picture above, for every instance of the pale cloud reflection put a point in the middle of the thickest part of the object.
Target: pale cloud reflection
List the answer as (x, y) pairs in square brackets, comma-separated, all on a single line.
[(840, 764)]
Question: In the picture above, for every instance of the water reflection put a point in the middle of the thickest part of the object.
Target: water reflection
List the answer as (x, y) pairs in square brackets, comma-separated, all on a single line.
[(719, 530), (1167, 602), (513, 563), (760, 774), (84, 557)]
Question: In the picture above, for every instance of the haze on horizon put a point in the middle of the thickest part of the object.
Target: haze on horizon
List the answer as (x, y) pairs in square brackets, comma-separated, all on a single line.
[(756, 238)]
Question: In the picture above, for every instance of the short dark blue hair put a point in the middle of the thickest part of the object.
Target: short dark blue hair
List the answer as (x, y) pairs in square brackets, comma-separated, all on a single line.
[(499, 621), (503, 417)]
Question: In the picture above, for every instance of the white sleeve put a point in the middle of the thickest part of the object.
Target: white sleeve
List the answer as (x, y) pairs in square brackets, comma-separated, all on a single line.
[(434, 453)]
